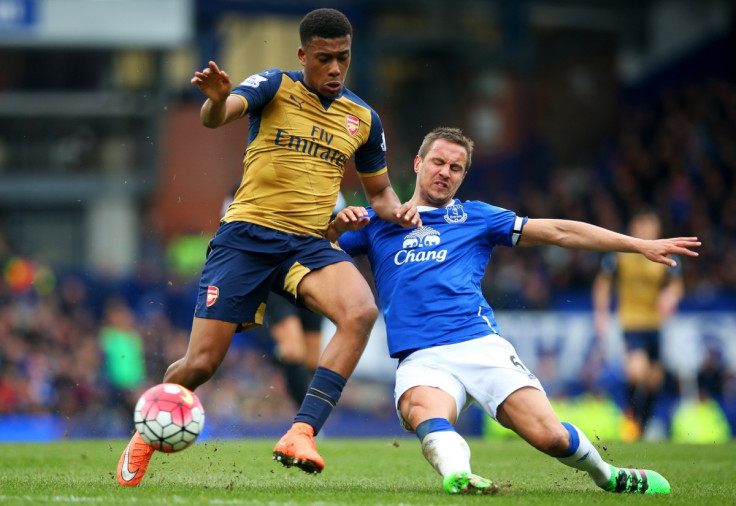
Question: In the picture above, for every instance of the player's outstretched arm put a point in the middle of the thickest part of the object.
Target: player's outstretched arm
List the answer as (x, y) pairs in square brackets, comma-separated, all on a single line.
[(350, 218), (386, 203), (580, 235), (220, 108)]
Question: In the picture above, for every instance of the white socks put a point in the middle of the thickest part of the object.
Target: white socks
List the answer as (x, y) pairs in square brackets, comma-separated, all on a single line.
[(447, 452), (582, 455)]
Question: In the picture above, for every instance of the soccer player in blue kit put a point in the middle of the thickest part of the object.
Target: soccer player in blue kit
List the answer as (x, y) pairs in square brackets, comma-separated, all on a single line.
[(442, 330), (304, 126)]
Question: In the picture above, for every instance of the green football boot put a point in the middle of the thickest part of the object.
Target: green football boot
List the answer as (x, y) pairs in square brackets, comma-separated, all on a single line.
[(468, 484), (637, 481)]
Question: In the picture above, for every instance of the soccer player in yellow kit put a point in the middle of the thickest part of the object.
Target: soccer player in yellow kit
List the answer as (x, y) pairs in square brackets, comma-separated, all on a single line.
[(647, 293), (304, 126)]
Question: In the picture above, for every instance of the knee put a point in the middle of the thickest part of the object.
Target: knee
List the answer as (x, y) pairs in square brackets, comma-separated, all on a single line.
[(369, 315), (361, 318), (422, 403), (201, 368), (291, 351), (414, 414), (554, 440), (290, 354)]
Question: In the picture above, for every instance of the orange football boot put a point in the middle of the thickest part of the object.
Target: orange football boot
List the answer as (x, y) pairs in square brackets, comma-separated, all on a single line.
[(134, 461), (297, 448)]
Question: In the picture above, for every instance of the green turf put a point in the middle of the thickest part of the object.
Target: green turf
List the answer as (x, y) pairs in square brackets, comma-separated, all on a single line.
[(358, 471)]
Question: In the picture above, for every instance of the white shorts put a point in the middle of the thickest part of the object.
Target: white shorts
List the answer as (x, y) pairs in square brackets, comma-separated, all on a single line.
[(485, 370)]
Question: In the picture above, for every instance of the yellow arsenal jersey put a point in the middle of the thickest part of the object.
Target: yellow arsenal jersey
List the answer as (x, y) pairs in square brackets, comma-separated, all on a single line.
[(638, 282), (298, 144)]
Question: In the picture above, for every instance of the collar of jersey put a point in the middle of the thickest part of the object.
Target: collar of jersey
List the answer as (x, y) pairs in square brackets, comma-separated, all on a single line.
[(326, 102), (425, 209)]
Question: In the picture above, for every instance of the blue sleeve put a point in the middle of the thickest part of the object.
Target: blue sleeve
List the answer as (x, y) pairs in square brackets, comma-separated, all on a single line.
[(504, 227), (676, 271), (371, 156), (354, 243), (609, 263), (259, 89), (357, 243)]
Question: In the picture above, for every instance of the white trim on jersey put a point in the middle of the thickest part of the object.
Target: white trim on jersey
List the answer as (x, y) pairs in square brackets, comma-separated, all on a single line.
[(516, 231), (480, 313)]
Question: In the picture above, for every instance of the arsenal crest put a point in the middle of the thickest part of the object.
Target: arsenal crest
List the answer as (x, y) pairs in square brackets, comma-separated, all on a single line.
[(352, 123), (212, 295)]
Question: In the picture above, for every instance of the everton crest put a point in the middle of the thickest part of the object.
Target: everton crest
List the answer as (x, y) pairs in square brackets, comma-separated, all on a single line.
[(455, 214)]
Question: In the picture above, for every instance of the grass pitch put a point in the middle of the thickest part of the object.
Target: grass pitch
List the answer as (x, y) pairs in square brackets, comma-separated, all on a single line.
[(358, 472)]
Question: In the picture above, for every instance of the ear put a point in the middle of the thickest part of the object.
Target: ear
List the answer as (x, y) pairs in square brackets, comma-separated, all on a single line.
[(302, 55), (417, 163)]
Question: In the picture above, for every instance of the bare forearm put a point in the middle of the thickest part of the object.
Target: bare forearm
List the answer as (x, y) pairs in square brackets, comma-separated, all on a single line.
[(675, 289), (213, 114), (333, 232), (602, 293), (384, 203), (577, 235)]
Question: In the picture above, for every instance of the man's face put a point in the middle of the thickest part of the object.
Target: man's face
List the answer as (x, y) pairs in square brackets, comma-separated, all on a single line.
[(645, 226), (326, 63), (440, 173)]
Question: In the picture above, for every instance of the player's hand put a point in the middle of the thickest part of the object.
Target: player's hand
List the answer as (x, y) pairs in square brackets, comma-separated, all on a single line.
[(348, 219), (213, 82), (659, 249), (408, 215)]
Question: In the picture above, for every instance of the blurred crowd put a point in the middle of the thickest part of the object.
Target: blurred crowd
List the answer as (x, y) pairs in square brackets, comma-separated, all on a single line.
[(84, 347), (677, 156)]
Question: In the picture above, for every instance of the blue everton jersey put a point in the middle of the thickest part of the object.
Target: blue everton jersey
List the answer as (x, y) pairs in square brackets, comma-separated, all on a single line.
[(428, 278)]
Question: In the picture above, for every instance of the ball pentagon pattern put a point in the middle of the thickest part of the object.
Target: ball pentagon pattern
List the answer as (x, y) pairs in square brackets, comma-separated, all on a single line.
[(169, 417)]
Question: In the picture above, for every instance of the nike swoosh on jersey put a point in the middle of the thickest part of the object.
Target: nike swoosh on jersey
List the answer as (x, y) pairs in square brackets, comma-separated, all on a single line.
[(125, 472)]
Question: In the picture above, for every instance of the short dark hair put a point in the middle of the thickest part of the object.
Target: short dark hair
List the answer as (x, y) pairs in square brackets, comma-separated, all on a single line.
[(454, 135), (324, 23)]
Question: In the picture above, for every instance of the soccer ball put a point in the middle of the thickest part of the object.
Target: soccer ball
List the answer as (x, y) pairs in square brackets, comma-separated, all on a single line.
[(169, 417)]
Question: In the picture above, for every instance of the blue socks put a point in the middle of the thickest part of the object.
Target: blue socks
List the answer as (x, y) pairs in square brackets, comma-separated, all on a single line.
[(433, 425), (574, 441), (322, 396)]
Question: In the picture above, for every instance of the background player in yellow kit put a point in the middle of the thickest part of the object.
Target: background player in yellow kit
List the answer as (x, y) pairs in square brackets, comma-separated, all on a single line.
[(647, 294), (304, 126)]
